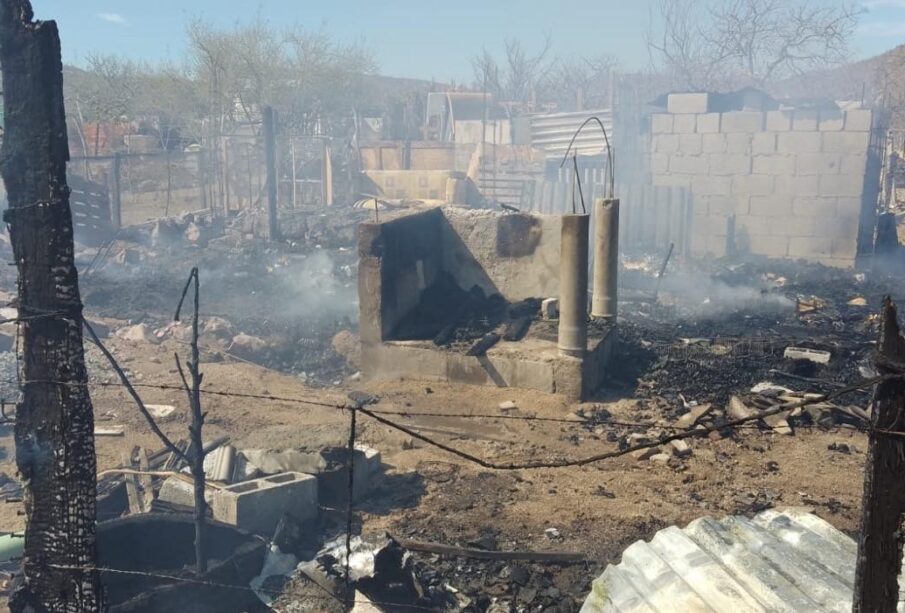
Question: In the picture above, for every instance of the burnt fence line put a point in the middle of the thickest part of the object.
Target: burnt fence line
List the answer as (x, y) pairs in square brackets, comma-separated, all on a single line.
[(561, 463)]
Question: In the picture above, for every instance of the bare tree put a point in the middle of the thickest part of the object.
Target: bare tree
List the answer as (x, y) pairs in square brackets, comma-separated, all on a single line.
[(587, 78), (108, 91), (732, 43), (516, 77), (54, 429)]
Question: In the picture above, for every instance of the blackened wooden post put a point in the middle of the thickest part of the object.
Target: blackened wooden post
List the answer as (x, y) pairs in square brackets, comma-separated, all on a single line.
[(270, 157), (116, 202), (54, 429), (883, 504)]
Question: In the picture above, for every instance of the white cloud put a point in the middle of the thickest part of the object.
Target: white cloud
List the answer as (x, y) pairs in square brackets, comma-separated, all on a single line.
[(886, 29), (113, 18)]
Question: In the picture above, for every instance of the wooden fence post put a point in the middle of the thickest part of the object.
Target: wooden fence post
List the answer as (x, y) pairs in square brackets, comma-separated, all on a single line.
[(880, 542), (116, 202), (273, 227)]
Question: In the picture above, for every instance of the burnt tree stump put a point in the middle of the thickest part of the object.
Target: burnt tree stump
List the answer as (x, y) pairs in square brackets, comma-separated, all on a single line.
[(880, 539), (54, 429)]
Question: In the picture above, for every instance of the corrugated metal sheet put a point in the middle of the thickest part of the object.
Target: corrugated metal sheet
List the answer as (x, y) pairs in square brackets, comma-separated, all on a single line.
[(789, 561), (552, 132)]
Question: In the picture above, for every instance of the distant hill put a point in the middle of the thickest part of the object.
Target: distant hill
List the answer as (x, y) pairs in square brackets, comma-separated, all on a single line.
[(880, 80)]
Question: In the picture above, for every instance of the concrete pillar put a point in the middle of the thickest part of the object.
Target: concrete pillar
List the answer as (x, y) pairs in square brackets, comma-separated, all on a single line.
[(573, 286), (606, 257)]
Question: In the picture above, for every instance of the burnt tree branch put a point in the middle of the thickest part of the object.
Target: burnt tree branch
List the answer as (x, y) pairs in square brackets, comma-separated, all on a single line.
[(196, 445)]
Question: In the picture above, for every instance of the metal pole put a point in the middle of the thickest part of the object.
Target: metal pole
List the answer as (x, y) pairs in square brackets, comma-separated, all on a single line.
[(606, 257), (573, 289)]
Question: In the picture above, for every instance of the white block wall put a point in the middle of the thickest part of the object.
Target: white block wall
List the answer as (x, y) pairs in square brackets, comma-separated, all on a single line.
[(793, 179)]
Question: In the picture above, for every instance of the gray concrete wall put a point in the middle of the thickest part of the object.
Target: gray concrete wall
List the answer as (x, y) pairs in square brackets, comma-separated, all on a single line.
[(794, 180), (516, 256), (398, 259), (513, 255)]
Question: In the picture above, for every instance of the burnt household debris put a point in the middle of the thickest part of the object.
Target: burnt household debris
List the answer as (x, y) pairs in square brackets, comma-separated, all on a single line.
[(282, 333)]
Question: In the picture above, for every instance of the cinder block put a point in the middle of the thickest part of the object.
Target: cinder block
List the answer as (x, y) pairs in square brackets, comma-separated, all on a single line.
[(831, 120), (714, 225), (800, 225), (858, 120), (729, 163), (769, 245), (666, 143), (718, 205), (839, 185), (757, 225), (798, 142), (698, 102), (707, 123), (779, 121), (846, 142), (742, 121), (716, 245), (175, 490), (854, 165), (690, 143), (768, 206), (838, 227), (713, 143), (738, 142), (257, 505), (688, 164), (804, 121), (660, 123), (709, 185), (817, 163), (810, 247), (849, 205), (844, 248), (794, 185), (763, 143), (773, 164), (671, 180), (752, 185), (814, 205), (659, 163), (683, 124)]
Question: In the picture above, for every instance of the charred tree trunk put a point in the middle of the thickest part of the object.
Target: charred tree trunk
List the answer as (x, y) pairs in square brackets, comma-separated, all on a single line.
[(883, 504), (196, 450), (54, 429)]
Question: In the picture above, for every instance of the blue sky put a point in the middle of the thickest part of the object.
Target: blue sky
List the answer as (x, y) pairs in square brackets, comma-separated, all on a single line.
[(410, 38)]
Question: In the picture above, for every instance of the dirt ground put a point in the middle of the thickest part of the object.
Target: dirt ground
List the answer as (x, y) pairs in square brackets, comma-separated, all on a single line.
[(432, 495)]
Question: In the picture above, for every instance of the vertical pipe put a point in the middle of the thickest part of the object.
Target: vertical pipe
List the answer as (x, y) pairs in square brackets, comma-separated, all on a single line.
[(573, 286), (270, 163), (606, 257)]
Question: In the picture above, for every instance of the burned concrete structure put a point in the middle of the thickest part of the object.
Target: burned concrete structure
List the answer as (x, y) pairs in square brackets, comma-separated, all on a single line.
[(454, 294)]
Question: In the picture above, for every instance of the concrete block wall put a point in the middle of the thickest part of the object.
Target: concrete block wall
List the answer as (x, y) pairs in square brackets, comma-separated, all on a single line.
[(793, 180)]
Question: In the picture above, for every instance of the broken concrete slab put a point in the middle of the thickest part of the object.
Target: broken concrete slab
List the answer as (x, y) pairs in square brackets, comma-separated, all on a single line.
[(694, 415), (181, 491), (257, 505), (803, 353)]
